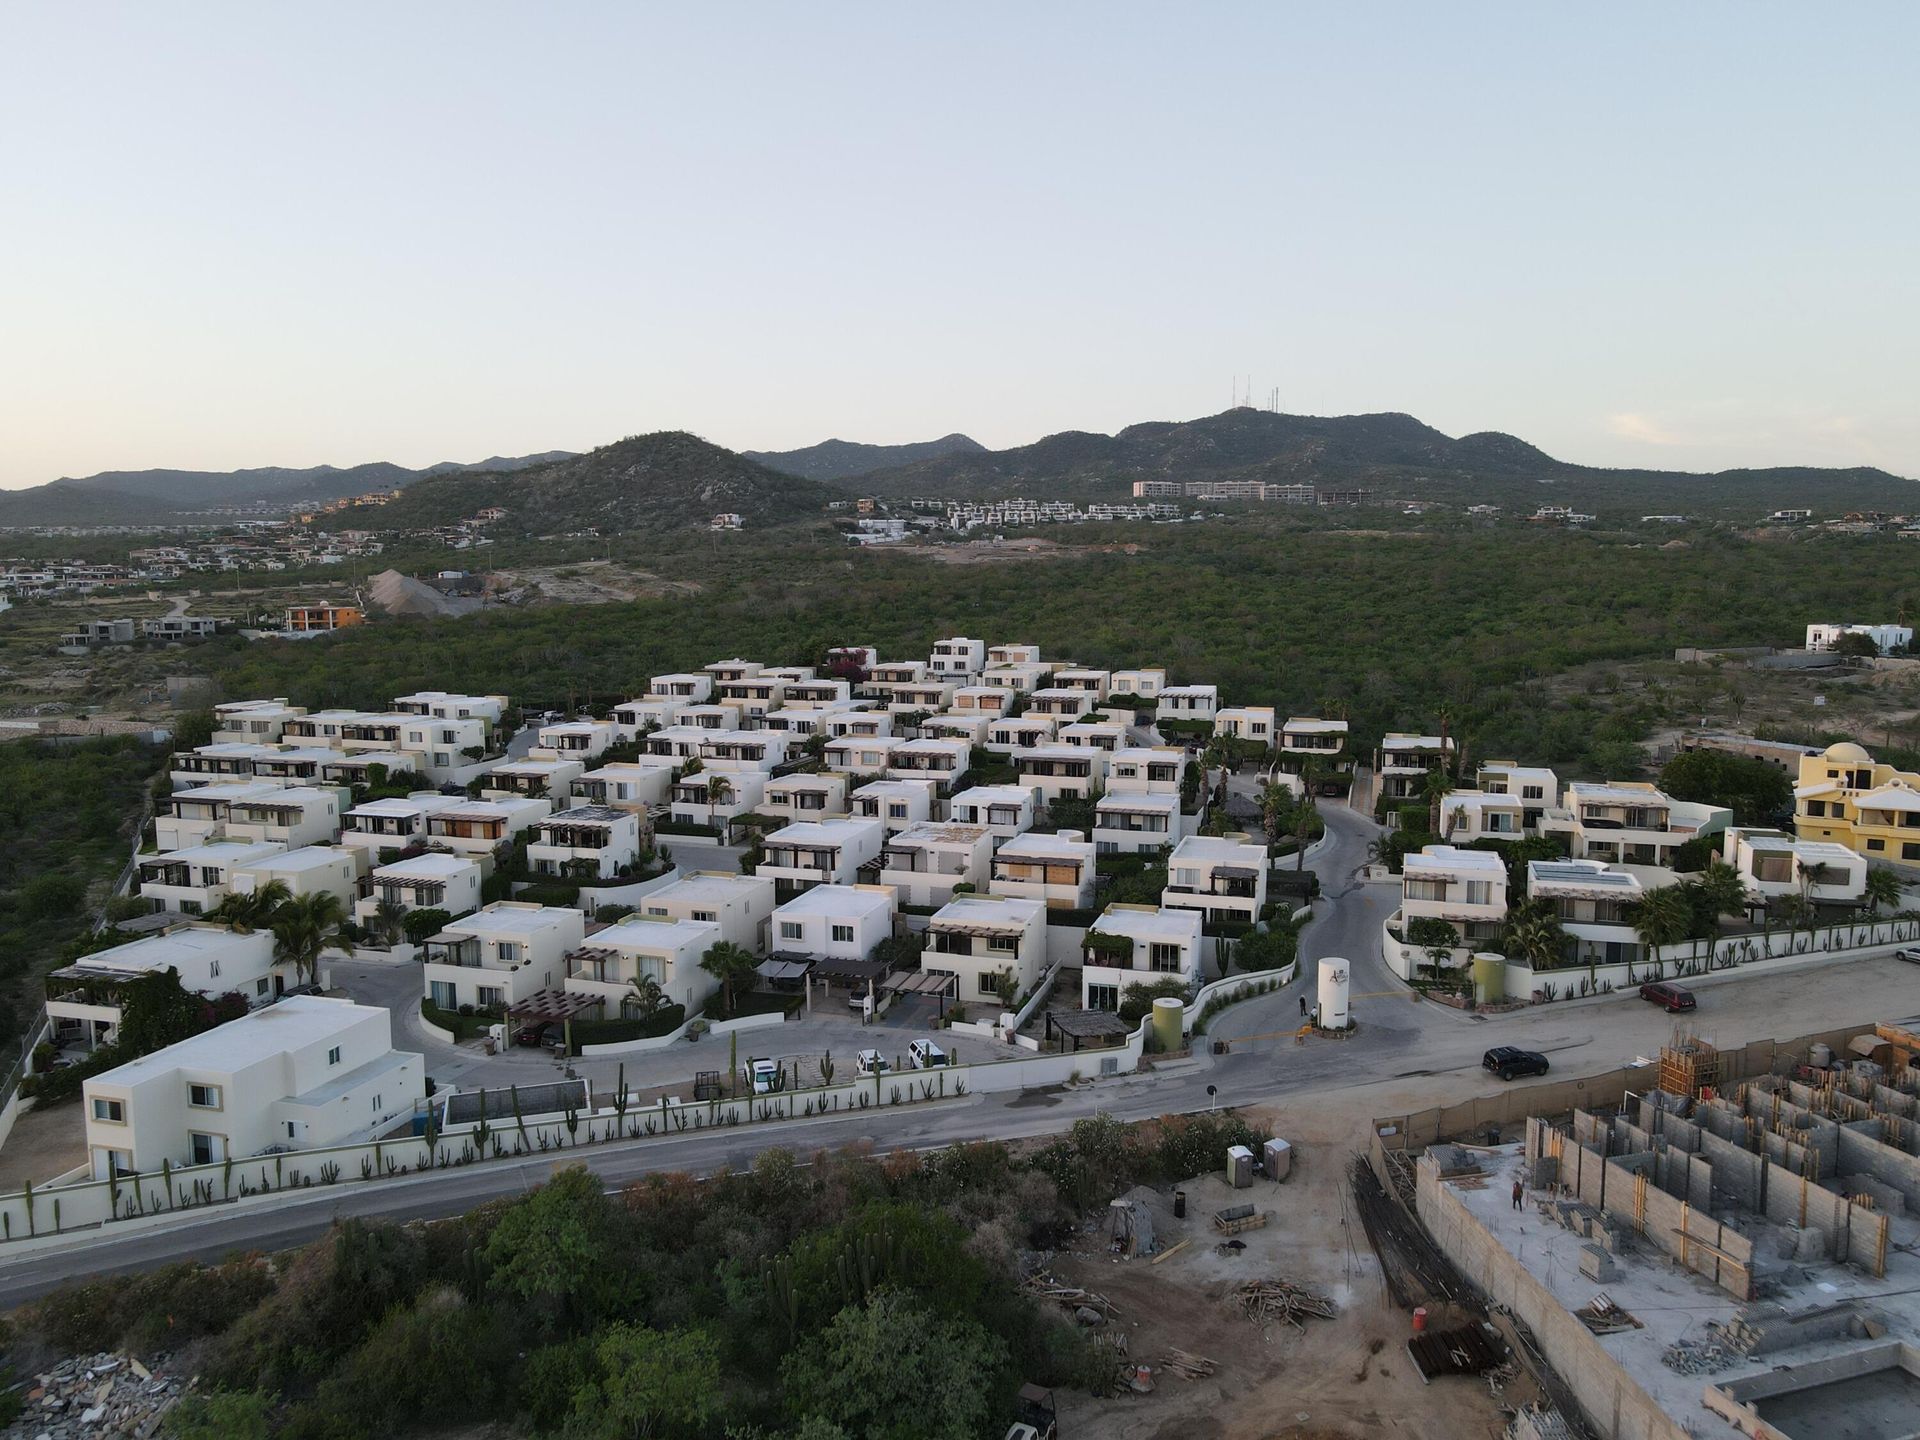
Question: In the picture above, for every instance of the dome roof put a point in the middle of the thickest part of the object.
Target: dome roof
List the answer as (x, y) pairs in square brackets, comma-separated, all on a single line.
[(1845, 752)]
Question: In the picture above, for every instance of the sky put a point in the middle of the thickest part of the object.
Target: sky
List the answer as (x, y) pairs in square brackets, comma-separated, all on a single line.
[(1635, 234)]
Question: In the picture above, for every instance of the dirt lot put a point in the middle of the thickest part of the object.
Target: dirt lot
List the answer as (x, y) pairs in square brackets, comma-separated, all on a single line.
[(586, 582), (1345, 1377)]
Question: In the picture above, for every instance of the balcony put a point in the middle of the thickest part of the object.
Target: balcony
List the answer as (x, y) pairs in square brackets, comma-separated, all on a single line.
[(415, 897), (464, 953)]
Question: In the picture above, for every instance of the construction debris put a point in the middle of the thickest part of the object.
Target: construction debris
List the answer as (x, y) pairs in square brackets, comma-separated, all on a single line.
[(1188, 1366), (1697, 1357), (1603, 1317), (1265, 1301), (1043, 1286), (1170, 1250), (1467, 1350), (98, 1395)]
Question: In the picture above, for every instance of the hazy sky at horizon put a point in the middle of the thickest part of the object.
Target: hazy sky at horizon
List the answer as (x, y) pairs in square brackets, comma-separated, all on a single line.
[(1634, 234)]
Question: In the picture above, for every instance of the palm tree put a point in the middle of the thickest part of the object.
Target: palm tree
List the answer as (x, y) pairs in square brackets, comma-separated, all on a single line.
[(730, 964), (718, 788), (388, 918), (306, 926), (1721, 887), (1306, 819), (1883, 888), (1276, 802), (647, 996), (244, 914), (1531, 932), (1663, 917), (1437, 786)]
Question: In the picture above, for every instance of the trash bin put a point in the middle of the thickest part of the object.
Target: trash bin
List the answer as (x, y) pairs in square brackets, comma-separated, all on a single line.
[(1179, 1204)]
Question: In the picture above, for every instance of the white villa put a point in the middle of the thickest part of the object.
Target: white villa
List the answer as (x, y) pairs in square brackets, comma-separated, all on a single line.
[(741, 905), (1005, 810), (306, 1073), (195, 880), (1771, 864), (925, 863), (819, 852), (650, 946), (382, 827), (1129, 822), (976, 938), (1465, 888), (432, 881), (1138, 944), (896, 804), (636, 785), (1224, 878), (594, 841), (1057, 870), (839, 922), (500, 955), (83, 1001)]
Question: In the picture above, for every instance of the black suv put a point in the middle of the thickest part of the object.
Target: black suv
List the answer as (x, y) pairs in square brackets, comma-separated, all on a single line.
[(1507, 1062)]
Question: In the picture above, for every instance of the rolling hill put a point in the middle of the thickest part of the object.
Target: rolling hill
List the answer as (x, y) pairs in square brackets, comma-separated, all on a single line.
[(1395, 454), (141, 497), (847, 459), (666, 480)]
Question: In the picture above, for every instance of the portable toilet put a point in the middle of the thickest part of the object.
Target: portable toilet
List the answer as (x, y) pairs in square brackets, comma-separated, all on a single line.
[(1279, 1158), (1239, 1166)]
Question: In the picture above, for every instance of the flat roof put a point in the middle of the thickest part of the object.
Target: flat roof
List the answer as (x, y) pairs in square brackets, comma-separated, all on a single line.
[(1033, 842), (993, 795), (1615, 794), (157, 952), (218, 852), (715, 884), (939, 832), (1003, 912), (588, 815), (425, 867), (896, 787), (299, 795), (527, 767), (832, 900), (1452, 857), (807, 781), (292, 1024), (1149, 754), (307, 857), (488, 809), (1572, 873), (228, 790), (1217, 848), (1124, 801), (510, 917), (1142, 922), (422, 804), (1414, 742), (655, 932), (822, 832), (1308, 725)]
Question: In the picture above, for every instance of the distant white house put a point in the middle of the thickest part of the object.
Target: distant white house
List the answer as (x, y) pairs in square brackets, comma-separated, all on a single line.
[(834, 922), (500, 955), (1187, 702), (1465, 888), (1138, 945), (1823, 638), (819, 852), (307, 1073), (1062, 772), (548, 779), (311, 870), (626, 784), (741, 905), (976, 938), (83, 999), (475, 827), (644, 947), (1127, 822), (1004, 810), (433, 881), (1056, 869), (1253, 723), (382, 828), (1773, 864), (925, 863), (594, 841), (195, 880), (1224, 877), (896, 804)]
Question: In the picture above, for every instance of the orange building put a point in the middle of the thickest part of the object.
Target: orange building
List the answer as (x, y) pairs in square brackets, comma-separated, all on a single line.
[(304, 619)]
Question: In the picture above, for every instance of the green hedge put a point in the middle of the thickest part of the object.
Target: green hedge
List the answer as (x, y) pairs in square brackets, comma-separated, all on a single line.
[(757, 1003), (550, 892), (462, 1027), (664, 1021), (684, 827)]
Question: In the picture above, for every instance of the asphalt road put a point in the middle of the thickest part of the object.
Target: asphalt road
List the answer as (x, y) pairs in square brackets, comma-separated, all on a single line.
[(1403, 1055)]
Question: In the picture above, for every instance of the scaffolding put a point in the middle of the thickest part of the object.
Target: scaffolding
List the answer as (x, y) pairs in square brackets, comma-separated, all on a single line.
[(1689, 1065)]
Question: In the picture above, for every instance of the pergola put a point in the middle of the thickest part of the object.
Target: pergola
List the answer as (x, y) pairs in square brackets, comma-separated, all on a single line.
[(552, 1005), (923, 982), (1083, 1025), (853, 973)]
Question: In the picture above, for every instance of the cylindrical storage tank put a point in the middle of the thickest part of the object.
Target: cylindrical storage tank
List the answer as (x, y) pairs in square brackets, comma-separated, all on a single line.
[(1169, 1020), (1334, 974), (1820, 1056), (1489, 979)]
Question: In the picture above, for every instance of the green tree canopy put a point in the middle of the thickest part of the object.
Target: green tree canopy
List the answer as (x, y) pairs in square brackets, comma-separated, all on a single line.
[(1757, 792)]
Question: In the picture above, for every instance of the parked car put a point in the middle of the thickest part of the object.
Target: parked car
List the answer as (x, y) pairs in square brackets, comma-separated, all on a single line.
[(872, 1062), (1666, 994), (924, 1055), (1908, 953), (533, 1033), (764, 1075), (1507, 1061)]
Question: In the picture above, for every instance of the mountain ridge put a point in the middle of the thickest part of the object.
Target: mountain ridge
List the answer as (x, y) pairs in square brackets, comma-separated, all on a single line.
[(850, 459)]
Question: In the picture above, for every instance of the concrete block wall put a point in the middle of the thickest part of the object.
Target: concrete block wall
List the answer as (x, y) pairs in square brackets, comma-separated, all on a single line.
[(1614, 1404), (1738, 1173), (1866, 1239)]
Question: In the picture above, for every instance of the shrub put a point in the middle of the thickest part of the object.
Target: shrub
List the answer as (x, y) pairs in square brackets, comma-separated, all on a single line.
[(550, 892), (421, 925)]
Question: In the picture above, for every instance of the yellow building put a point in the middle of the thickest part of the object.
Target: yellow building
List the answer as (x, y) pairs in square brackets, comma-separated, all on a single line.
[(1872, 809)]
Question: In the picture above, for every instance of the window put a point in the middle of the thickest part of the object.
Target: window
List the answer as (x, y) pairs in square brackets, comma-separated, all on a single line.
[(989, 984), (489, 997), (1910, 851), (711, 917), (204, 1097), (791, 930), (1010, 943), (111, 1111), (289, 1129), (1816, 807), (1876, 844), (260, 987), (843, 934), (205, 1149), (1103, 997), (333, 1056), (376, 1104), (896, 811), (1164, 958)]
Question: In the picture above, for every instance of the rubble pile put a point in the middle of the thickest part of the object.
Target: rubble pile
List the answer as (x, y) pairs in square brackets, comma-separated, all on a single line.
[(98, 1397)]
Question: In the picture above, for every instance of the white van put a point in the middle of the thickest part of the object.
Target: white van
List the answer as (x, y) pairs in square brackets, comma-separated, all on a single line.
[(872, 1062), (924, 1055)]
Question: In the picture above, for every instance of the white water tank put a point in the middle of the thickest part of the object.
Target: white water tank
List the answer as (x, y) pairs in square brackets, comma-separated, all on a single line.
[(1334, 974)]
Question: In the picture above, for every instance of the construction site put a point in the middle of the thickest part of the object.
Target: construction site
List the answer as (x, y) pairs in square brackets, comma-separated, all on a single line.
[(1715, 1243)]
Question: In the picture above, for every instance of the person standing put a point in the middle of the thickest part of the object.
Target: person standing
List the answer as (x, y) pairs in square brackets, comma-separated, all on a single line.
[(1519, 1194), (1303, 1007)]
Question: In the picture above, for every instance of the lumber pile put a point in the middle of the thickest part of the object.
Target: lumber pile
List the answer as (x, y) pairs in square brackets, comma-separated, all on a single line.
[(1604, 1317), (1188, 1366), (1043, 1286), (1265, 1301), (1236, 1218)]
